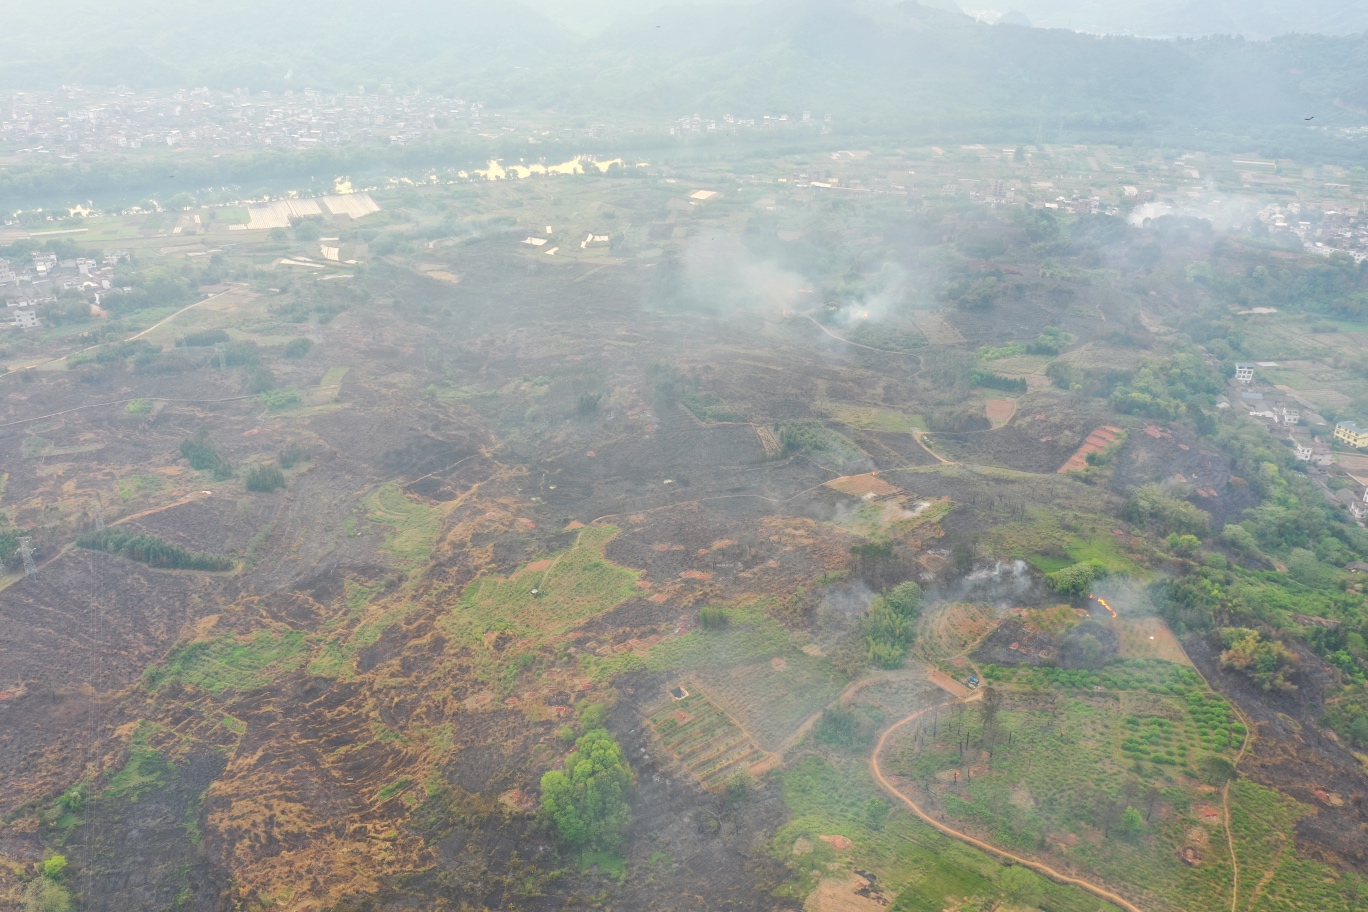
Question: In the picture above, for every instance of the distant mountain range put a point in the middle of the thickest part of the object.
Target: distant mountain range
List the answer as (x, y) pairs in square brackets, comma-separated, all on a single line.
[(880, 68), (1186, 18)]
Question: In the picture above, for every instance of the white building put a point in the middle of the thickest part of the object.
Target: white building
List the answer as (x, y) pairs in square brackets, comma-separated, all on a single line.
[(1244, 373), (25, 318)]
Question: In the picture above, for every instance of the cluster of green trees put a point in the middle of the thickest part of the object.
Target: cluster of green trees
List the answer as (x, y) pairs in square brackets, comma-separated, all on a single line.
[(48, 891), (589, 801), (997, 381), (1265, 660), (1076, 581), (1169, 389), (890, 624), (265, 479), (205, 338), (202, 455), (151, 550)]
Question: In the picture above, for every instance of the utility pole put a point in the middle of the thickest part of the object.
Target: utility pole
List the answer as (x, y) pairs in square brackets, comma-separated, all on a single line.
[(26, 552)]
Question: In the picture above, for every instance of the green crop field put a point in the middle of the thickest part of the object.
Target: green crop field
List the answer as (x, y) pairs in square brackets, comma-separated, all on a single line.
[(1113, 773), (704, 739), (929, 871), (577, 584)]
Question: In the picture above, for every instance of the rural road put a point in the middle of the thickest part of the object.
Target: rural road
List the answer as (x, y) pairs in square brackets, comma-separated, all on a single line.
[(1056, 876)]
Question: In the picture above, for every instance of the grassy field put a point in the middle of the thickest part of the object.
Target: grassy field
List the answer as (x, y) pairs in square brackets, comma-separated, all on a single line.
[(1274, 878), (1071, 753), (571, 586), (1051, 540), (867, 418), (231, 663), (413, 526), (929, 872)]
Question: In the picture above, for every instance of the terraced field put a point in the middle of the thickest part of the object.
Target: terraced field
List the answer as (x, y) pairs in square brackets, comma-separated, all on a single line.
[(705, 740)]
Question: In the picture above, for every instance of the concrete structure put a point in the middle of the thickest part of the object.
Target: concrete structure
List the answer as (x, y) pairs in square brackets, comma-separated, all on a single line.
[(1244, 373), (25, 318)]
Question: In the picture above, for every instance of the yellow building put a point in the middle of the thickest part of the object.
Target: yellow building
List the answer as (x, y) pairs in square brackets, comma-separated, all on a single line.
[(1352, 434)]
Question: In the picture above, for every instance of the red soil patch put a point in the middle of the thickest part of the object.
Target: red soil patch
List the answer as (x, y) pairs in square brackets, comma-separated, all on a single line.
[(1097, 441), (839, 843), (999, 411), (862, 485), (526, 525), (695, 575), (539, 566), (575, 525), (659, 598)]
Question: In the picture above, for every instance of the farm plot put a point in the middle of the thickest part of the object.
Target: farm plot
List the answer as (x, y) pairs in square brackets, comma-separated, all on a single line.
[(937, 329), (754, 669), (1112, 773), (869, 418), (1150, 638), (328, 388), (705, 740), (999, 411), (1097, 441)]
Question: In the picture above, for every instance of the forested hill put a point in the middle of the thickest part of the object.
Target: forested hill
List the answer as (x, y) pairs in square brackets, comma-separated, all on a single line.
[(902, 69)]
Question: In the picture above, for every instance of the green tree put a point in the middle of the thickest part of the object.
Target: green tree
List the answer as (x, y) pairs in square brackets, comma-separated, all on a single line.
[(1131, 822), (53, 868), (1266, 661), (44, 895), (588, 802), (1023, 886), (1075, 581)]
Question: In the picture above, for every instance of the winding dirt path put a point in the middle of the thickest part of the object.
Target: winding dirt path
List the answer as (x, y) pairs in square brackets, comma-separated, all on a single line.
[(876, 770)]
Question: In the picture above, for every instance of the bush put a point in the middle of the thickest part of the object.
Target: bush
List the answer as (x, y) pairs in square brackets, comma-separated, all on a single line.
[(265, 479), (278, 400), (588, 404), (1266, 661), (298, 348), (292, 455), (207, 338), (242, 353), (199, 451), (712, 617), (888, 634), (139, 407), (1154, 507), (260, 380), (905, 599), (837, 726), (991, 380), (1075, 581)]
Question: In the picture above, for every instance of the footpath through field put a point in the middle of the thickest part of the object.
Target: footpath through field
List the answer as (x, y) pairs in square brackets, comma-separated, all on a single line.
[(1058, 877)]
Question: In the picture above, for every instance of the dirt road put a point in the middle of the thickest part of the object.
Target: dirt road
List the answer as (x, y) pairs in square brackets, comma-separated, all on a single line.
[(1056, 876)]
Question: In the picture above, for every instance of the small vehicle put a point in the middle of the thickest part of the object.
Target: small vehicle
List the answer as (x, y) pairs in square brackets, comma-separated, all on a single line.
[(973, 681)]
